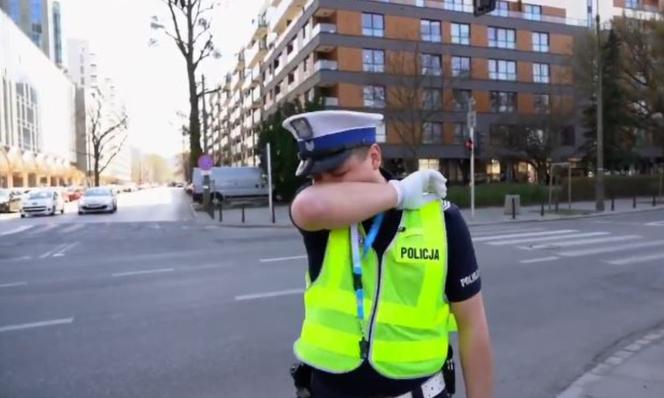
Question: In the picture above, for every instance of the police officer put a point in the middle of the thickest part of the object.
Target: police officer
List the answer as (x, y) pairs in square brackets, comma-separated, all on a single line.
[(391, 266)]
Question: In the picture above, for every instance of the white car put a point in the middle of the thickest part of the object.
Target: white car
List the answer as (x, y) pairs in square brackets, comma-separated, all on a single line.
[(98, 200), (42, 202)]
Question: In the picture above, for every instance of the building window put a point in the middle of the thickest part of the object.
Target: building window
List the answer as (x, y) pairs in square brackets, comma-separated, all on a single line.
[(430, 30), (431, 65), (502, 9), (502, 70), (373, 25), (502, 101), (634, 4), (541, 73), (532, 12), (461, 98), (432, 133), (374, 96), (502, 38), (568, 136), (431, 99), (460, 133), (461, 67), (458, 5), (542, 103), (541, 42), (461, 33), (373, 60)]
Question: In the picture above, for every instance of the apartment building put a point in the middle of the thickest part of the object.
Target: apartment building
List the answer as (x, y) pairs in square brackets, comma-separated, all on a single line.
[(343, 51)]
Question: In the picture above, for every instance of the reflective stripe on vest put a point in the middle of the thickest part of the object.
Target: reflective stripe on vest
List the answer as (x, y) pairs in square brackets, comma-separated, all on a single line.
[(408, 334)]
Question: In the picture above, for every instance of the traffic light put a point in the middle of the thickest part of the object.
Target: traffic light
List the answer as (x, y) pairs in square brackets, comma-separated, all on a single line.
[(481, 7)]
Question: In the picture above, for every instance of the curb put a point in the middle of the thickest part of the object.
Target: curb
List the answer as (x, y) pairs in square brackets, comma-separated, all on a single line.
[(614, 360)]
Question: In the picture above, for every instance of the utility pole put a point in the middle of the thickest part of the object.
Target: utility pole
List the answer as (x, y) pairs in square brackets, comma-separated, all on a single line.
[(471, 121), (599, 177), (206, 177)]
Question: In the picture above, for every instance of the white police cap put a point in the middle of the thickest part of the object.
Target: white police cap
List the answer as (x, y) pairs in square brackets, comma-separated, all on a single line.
[(324, 138)]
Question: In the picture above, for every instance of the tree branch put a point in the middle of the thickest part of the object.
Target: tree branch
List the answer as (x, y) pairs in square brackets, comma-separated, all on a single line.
[(178, 36), (117, 150)]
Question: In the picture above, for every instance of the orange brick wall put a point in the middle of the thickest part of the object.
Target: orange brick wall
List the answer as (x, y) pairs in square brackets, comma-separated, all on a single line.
[(478, 35), (447, 32), (561, 74), (554, 12), (448, 133), (349, 59), (401, 62), (619, 3), (525, 103), (560, 44), (524, 40), (482, 102), (349, 22), (524, 72), (350, 95), (402, 28), (479, 68)]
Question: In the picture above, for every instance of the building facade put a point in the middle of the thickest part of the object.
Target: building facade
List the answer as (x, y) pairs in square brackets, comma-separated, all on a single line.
[(41, 21), (37, 115)]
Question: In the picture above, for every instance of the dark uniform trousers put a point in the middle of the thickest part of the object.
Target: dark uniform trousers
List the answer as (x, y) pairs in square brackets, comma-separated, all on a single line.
[(322, 391)]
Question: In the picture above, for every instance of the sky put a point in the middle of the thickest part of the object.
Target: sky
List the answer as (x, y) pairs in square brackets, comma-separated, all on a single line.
[(152, 80)]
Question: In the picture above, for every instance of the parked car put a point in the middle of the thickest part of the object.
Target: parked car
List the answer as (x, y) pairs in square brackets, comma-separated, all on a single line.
[(230, 183), (42, 202), (10, 201), (98, 200)]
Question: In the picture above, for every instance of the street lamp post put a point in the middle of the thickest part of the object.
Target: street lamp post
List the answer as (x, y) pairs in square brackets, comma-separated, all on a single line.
[(599, 177)]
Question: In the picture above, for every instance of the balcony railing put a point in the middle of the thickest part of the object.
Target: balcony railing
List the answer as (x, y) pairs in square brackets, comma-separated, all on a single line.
[(324, 64), (256, 95), (256, 117)]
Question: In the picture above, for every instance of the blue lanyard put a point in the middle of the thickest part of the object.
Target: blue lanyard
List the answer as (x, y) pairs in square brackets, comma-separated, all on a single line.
[(357, 266)]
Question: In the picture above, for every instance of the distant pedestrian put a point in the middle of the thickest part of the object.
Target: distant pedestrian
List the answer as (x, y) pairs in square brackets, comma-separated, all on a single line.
[(391, 266)]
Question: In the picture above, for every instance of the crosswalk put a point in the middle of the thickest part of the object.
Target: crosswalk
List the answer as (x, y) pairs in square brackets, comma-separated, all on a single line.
[(549, 245), (85, 229)]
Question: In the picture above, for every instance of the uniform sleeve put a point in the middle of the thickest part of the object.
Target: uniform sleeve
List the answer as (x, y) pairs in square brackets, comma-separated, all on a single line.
[(463, 277), (315, 243)]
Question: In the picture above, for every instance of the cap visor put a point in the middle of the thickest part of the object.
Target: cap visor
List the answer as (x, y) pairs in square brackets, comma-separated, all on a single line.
[(311, 167)]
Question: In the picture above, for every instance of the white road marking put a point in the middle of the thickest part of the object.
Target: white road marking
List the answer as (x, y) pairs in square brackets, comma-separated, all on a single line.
[(46, 228), (16, 230), (32, 325), (539, 260), (13, 284), (72, 228), (524, 235), (143, 272), (637, 259), (503, 231), (610, 249), (656, 224), (581, 242), (275, 259), (546, 238), (62, 251), (57, 249), (269, 294)]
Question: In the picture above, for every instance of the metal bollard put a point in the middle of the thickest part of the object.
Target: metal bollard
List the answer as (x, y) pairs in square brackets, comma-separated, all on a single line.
[(613, 203), (634, 202), (542, 210), (513, 208), (273, 219), (654, 199), (221, 212), (557, 203), (242, 214)]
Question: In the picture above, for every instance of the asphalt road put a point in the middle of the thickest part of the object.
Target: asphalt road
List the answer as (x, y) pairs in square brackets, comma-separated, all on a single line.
[(149, 303)]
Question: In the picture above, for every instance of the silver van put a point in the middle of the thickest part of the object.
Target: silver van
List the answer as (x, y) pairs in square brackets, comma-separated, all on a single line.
[(232, 183)]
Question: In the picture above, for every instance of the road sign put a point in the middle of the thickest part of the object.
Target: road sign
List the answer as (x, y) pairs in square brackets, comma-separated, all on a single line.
[(205, 162)]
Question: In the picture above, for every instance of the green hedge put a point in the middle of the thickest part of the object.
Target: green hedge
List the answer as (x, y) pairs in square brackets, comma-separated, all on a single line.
[(487, 195), (583, 188)]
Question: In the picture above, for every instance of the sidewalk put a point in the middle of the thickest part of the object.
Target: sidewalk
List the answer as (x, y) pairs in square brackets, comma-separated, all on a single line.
[(637, 370), (261, 217)]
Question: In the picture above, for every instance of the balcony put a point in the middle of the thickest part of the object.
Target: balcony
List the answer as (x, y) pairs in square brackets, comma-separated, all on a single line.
[(256, 117), (331, 101), (323, 28), (247, 123), (255, 53), (235, 80), (285, 10), (256, 96), (261, 27), (325, 64), (246, 104)]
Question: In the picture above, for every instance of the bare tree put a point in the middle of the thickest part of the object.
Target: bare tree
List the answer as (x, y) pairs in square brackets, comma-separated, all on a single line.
[(413, 100), (107, 135), (190, 30)]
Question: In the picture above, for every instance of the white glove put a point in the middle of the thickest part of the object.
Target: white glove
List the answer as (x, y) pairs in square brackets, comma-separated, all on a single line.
[(419, 188)]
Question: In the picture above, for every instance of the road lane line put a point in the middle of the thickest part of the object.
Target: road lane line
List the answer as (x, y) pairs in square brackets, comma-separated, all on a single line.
[(53, 322), (17, 230), (13, 284), (45, 228), (656, 224), (143, 272), (539, 260), (503, 231), (275, 259), (57, 248), (62, 251), (546, 238), (256, 296), (72, 228), (503, 237), (581, 242), (610, 249), (637, 259)]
